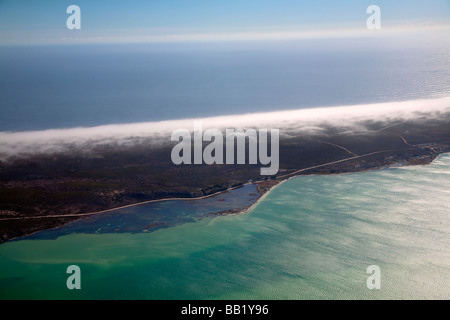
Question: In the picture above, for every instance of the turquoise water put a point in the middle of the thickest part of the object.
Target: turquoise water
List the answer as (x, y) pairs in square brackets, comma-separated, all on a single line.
[(312, 237)]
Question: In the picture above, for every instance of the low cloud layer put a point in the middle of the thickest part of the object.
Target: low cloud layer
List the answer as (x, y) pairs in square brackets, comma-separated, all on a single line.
[(316, 121)]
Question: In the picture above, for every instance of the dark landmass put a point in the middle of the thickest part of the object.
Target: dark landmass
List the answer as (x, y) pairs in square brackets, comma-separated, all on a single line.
[(48, 190)]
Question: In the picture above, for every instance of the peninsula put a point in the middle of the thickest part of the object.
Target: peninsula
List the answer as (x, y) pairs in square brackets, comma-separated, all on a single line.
[(50, 189)]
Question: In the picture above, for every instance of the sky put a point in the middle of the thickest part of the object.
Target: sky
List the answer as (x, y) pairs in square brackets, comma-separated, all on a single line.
[(44, 21)]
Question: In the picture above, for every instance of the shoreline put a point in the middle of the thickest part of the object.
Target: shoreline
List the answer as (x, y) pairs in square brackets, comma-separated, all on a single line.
[(288, 176), (236, 211), (50, 190), (127, 206), (251, 207)]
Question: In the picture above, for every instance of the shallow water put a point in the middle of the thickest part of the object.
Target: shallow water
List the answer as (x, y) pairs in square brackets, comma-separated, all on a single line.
[(312, 237)]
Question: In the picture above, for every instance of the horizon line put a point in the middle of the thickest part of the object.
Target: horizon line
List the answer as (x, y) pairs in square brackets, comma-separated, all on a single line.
[(227, 36)]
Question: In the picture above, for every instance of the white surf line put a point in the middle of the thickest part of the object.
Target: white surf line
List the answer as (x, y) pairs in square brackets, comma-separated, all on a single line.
[(260, 198)]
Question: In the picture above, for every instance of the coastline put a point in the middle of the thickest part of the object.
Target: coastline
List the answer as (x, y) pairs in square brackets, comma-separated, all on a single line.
[(282, 177), (267, 187), (46, 191), (127, 206), (251, 207)]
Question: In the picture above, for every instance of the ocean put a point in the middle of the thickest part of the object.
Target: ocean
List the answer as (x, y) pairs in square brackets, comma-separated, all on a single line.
[(312, 237), (71, 86)]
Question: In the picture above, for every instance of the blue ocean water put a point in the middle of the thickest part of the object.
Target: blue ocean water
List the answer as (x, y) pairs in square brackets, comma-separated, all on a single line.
[(312, 237), (90, 85)]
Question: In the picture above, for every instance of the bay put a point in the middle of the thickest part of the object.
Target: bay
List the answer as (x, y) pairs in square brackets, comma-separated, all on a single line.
[(312, 237)]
